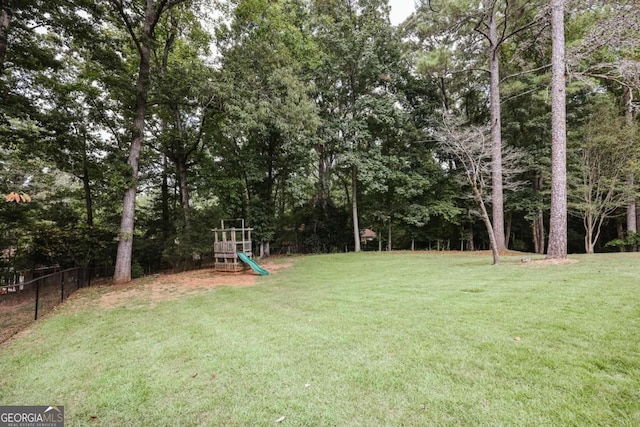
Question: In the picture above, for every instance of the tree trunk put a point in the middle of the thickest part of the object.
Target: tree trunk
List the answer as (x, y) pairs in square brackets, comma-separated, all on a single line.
[(497, 198), (265, 249), (86, 184), (354, 208), (538, 232), (5, 20), (177, 153), (538, 222), (507, 234), (445, 98), (323, 194), (487, 222), (589, 243), (181, 171), (164, 189), (122, 273), (143, 41), (632, 225), (558, 219)]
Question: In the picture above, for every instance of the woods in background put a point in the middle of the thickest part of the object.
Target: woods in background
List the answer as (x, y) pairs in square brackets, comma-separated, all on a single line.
[(136, 126)]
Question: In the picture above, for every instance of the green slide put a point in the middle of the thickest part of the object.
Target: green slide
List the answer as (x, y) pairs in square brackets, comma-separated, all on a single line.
[(244, 258)]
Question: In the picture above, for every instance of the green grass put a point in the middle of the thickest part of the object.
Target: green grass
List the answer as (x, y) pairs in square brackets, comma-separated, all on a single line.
[(401, 339)]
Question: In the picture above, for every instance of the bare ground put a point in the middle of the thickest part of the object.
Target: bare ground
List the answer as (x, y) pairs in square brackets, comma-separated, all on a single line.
[(166, 287)]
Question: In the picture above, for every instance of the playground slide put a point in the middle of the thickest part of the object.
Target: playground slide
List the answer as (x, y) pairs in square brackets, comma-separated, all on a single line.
[(244, 258)]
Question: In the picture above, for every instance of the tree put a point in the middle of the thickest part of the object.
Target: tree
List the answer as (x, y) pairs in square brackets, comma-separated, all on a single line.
[(526, 122), (184, 96), (557, 248), (497, 22), (632, 211), (140, 23), (471, 149), (269, 120), (497, 29), (607, 53), (605, 155), (48, 206), (359, 49), (73, 141)]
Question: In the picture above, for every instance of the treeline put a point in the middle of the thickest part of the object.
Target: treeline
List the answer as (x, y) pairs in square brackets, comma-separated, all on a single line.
[(131, 128)]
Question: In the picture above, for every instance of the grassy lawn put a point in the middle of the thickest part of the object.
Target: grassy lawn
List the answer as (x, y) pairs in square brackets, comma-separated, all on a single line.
[(401, 339)]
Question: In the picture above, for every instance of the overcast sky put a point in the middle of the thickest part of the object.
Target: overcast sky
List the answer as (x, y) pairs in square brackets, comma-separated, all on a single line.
[(400, 9)]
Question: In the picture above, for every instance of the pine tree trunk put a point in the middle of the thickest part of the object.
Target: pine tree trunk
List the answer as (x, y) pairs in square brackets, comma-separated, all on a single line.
[(497, 198), (507, 233), (558, 219), (538, 222), (538, 232), (632, 225), (354, 208)]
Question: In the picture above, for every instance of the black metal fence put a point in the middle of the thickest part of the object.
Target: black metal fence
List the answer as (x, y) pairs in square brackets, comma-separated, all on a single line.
[(9, 276), (22, 302)]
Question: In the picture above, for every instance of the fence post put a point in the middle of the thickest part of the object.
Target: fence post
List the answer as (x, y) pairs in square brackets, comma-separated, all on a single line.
[(37, 296), (62, 286)]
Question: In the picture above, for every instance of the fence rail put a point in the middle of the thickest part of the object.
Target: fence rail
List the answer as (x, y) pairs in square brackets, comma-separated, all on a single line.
[(23, 302), (9, 277)]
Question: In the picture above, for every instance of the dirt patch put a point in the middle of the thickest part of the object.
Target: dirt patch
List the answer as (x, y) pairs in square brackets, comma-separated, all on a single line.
[(166, 287)]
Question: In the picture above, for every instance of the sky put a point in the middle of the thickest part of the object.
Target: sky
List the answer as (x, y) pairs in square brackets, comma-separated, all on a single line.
[(400, 9)]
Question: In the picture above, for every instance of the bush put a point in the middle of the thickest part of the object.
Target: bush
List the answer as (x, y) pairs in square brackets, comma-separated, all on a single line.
[(136, 270), (630, 242)]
